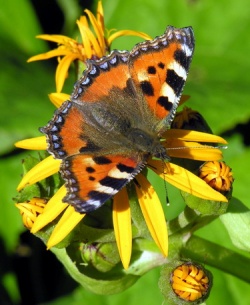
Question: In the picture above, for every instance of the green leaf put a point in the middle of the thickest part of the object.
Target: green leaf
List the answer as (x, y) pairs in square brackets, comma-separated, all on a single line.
[(217, 256), (99, 284), (237, 224)]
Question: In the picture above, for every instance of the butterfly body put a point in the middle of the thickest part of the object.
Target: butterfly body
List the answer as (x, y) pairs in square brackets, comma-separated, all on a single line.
[(116, 115)]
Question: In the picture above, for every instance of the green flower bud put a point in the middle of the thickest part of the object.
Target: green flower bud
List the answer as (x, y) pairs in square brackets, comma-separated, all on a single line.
[(102, 256)]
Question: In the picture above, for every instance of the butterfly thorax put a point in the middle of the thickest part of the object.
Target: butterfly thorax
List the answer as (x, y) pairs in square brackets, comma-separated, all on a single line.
[(147, 143)]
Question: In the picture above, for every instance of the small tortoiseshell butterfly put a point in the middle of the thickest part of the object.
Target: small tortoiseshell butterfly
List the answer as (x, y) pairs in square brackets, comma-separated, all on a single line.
[(116, 115)]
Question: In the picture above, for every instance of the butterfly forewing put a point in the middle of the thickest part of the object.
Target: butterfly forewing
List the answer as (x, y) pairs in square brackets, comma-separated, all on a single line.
[(159, 68)]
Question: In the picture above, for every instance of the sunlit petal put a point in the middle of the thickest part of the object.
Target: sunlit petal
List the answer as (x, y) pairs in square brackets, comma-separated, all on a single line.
[(53, 53), (42, 170), (186, 181), (38, 143), (85, 41), (90, 43), (196, 136), (53, 209), (99, 16), (191, 150), (62, 70), (99, 31), (122, 226), (65, 225), (117, 34), (153, 213), (60, 39), (58, 98)]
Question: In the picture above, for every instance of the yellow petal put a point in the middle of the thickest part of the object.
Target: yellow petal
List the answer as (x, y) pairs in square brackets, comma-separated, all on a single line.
[(126, 33), (190, 135), (153, 213), (58, 98), (38, 143), (53, 208), (42, 170), (122, 226), (90, 43), (191, 150), (98, 30), (99, 16), (53, 53), (60, 39), (65, 225), (186, 181), (62, 70)]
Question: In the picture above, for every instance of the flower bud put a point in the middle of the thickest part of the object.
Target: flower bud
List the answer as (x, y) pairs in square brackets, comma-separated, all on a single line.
[(185, 283), (30, 210), (102, 256), (218, 175), (191, 120)]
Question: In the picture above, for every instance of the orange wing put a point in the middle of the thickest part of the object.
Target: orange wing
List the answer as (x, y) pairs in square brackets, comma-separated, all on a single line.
[(91, 181), (159, 69)]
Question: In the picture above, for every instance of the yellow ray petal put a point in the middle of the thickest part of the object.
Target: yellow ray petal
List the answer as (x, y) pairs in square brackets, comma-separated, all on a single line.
[(58, 98), (53, 208), (191, 150), (85, 40), (42, 170), (53, 53), (60, 39), (88, 40), (99, 16), (62, 70), (153, 213), (122, 226), (38, 143), (190, 135), (65, 225), (186, 181), (126, 33), (99, 31)]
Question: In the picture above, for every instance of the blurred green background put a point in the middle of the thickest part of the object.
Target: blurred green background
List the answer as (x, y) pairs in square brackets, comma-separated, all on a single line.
[(219, 83)]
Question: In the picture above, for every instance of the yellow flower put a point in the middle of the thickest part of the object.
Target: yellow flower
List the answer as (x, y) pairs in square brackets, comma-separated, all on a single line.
[(179, 143), (93, 44), (188, 141)]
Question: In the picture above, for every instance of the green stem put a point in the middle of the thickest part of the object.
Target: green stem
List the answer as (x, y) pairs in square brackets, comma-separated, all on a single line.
[(189, 221), (217, 256)]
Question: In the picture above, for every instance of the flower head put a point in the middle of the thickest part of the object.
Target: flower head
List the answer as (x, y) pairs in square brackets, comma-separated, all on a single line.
[(94, 43), (177, 142), (153, 214)]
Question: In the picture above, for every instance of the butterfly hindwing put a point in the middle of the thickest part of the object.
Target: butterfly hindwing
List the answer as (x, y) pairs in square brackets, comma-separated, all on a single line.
[(91, 181), (66, 133)]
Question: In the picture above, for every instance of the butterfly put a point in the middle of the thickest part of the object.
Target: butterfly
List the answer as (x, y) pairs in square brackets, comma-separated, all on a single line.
[(116, 115)]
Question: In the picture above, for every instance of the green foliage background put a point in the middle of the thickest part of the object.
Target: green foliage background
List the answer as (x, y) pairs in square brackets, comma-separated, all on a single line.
[(219, 83)]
